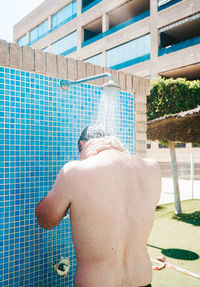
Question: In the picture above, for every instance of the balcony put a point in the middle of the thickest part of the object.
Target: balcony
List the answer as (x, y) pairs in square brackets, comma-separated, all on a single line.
[(163, 4), (179, 46), (121, 17), (92, 32), (87, 4), (180, 35), (116, 28)]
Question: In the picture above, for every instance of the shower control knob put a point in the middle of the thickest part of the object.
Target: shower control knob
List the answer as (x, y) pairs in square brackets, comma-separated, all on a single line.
[(62, 266)]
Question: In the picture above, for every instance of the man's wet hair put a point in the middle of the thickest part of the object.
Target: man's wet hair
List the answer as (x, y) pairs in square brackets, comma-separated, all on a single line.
[(92, 132)]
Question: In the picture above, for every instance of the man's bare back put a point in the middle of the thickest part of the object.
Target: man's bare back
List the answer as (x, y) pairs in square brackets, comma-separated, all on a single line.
[(112, 197)]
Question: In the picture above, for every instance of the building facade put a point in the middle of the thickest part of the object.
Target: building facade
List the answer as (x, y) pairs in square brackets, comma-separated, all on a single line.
[(143, 37)]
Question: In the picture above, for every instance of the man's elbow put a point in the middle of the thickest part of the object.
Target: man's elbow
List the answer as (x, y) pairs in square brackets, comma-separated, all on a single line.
[(44, 221), (44, 224)]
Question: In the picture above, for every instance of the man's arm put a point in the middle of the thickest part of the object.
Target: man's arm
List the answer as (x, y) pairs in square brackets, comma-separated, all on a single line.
[(53, 207)]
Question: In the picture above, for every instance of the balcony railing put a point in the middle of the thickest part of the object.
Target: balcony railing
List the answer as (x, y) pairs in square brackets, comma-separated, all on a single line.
[(117, 28), (94, 3), (163, 4), (179, 46)]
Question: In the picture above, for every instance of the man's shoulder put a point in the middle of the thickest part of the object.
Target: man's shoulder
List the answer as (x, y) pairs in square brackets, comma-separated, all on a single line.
[(153, 166), (72, 167), (149, 166), (149, 162)]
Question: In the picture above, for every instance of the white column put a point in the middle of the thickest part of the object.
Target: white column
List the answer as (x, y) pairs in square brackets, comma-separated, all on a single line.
[(79, 38), (79, 7), (105, 22), (104, 58), (28, 37), (49, 22)]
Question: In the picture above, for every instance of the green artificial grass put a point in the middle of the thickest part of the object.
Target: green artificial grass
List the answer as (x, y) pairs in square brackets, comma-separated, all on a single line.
[(177, 237)]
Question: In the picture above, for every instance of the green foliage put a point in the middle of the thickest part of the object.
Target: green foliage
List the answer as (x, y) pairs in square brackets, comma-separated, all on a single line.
[(171, 96), (163, 143), (196, 145)]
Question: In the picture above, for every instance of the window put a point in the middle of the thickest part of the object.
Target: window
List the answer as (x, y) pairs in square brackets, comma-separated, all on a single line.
[(39, 31), (148, 144), (65, 45), (163, 145), (95, 60), (129, 53), (64, 15), (180, 145), (22, 41)]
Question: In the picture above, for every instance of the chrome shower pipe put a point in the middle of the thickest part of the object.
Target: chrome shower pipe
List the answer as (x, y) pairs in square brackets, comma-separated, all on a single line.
[(65, 84)]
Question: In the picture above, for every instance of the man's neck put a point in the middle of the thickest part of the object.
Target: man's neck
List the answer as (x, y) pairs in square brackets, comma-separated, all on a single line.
[(97, 145)]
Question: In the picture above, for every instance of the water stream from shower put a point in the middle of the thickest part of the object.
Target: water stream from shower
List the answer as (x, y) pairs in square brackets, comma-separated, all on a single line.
[(108, 113)]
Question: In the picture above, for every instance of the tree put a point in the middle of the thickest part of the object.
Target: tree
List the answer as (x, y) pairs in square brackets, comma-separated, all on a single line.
[(172, 96)]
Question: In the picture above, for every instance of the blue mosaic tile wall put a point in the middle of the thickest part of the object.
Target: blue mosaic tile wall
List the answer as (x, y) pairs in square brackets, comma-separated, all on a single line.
[(39, 129)]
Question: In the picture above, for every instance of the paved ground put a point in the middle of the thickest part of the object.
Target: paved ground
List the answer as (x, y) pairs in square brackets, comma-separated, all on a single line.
[(185, 187)]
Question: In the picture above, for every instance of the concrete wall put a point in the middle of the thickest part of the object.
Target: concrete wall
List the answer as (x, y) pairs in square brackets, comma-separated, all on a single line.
[(28, 59)]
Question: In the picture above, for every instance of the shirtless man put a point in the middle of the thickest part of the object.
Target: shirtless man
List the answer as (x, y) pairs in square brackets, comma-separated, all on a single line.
[(112, 197)]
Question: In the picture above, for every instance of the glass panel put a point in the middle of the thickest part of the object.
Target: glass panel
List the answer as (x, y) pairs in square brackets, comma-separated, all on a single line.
[(43, 28), (39, 31), (63, 14), (33, 35), (64, 44), (128, 51), (95, 60), (74, 7), (22, 41)]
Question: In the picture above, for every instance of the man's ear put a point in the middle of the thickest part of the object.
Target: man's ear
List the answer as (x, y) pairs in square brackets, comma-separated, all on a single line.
[(82, 143)]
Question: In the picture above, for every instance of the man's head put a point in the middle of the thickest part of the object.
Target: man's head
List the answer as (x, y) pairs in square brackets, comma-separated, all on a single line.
[(91, 132)]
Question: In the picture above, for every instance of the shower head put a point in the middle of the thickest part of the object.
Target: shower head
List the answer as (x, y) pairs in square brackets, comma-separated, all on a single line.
[(111, 84), (65, 84)]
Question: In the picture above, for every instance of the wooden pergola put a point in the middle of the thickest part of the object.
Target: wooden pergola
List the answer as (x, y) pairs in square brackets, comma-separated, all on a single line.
[(180, 127)]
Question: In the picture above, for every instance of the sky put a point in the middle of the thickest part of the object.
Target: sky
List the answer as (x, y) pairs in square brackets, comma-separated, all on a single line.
[(11, 12)]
